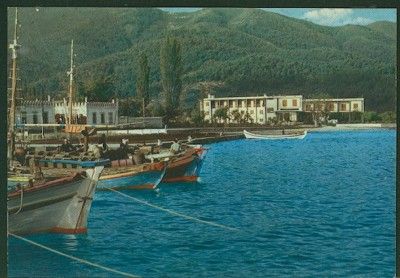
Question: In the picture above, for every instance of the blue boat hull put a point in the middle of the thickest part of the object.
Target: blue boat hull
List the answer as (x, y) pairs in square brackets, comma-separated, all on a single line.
[(142, 180)]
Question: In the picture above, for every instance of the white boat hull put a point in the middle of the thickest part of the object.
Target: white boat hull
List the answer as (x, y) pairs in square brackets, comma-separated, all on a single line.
[(62, 208), (250, 135)]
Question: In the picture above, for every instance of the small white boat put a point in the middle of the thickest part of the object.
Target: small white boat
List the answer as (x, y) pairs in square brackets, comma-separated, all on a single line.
[(250, 135)]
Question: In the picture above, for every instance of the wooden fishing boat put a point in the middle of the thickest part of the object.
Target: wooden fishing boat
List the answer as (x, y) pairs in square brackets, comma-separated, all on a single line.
[(185, 167), (59, 205), (250, 135), (124, 175)]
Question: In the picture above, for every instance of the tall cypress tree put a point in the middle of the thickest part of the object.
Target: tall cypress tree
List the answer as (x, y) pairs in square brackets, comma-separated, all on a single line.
[(142, 80), (171, 73)]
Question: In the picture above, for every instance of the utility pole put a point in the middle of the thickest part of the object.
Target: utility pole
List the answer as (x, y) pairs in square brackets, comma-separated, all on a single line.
[(71, 81), (13, 46)]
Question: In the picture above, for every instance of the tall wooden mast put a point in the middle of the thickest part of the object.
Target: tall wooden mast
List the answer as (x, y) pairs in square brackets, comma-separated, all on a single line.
[(71, 81), (11, 127)]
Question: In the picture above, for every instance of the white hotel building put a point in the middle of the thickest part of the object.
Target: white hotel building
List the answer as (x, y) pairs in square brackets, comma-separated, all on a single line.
[(263, 109)]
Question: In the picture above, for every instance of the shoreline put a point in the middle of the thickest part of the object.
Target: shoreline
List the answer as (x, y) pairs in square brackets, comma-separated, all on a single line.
[(203, 136)]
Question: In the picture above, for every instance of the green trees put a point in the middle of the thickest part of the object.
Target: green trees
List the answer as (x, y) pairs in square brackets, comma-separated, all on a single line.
[(385, 117), (129, 106), (221, 114), (197, 117), (100, 89), (237, 117), (142, 81), (171, 74), (388, 117)]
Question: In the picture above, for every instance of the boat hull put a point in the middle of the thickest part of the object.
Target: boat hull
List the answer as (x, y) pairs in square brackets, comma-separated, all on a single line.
[(186, 168), (60, 207), (133, 177), (250, 135)]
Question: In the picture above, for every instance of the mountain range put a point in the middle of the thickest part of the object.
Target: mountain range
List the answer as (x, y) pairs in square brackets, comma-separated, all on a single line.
[(225, 51)]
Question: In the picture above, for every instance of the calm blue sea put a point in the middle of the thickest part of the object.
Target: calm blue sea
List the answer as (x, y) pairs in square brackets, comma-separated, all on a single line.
[(322, 206)]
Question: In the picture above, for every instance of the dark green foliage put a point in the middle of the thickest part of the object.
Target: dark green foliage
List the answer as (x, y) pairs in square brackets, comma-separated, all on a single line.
[(236, 116), (221, 114), (171, 73), (307, 118), (100, 89), (250, 50), (372, 117), (129, 107), (156, 109), (388, 117), (197, 117), (142, 82)]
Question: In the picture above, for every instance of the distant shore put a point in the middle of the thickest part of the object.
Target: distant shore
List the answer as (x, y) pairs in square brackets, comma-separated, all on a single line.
[(347, 127)]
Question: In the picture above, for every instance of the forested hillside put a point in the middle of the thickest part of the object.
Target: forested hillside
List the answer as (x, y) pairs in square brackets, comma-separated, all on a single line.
[(241, 51)]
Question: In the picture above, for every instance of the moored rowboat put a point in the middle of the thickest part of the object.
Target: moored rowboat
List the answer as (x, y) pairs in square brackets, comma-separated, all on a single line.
[(61, 205), (142, 176), (250, 135), (186, 168)]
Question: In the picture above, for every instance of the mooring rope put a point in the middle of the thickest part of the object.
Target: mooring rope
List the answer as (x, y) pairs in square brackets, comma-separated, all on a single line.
[(176, 213), (21, 201), (73, 258)]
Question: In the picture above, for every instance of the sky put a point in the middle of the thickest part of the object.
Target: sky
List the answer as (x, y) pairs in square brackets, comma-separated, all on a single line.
[(327, 16)]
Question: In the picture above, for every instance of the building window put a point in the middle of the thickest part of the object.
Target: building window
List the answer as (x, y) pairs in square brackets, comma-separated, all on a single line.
[(330, 106), (102, 118), (284, 103), (110, 118), (45, 117), (343, 106), (212, 105), (94, 117), (35, 118), (308, 107), (231, 104), (270, 110), (294, 102), (355, 106), (261, 119), (261, 111)]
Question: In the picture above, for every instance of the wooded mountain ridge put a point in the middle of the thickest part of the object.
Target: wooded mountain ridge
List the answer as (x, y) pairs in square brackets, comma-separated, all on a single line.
[(225, 51)]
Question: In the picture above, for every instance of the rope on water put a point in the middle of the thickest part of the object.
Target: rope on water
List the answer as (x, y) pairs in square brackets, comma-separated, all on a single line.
[(73, 258), (175, 213), (21, 201)]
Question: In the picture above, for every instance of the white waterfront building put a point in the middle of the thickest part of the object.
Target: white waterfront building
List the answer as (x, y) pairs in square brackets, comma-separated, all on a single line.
[(52, 111), (265, 109)]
